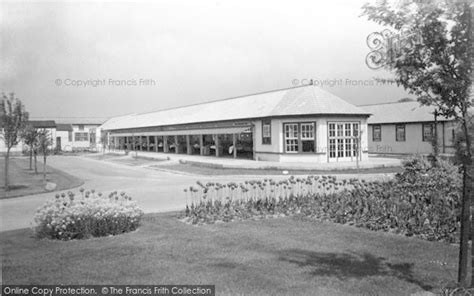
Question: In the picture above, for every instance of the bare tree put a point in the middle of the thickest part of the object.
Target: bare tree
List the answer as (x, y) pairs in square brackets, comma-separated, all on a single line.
[(13, 118)]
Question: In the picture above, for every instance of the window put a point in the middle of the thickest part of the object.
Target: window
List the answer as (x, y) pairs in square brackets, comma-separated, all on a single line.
[(400, 133), (69, 136), (80, 137), (355, 129), (332, 130), (307, 137), (427, 132), (347, 130), (300, 137), (343, 139), (266, 132), (340, 129), (377, 133), (332, 148), (291, 137)]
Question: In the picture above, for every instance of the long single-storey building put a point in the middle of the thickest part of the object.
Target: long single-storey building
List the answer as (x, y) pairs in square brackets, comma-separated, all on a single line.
[(298, 124), (408, 128)]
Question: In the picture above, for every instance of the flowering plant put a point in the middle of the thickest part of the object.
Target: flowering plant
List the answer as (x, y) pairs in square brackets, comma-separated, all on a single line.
[(90, 214), (423, 200)]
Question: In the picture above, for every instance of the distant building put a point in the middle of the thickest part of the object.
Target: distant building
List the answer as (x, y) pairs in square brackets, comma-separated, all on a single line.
[(67, 134), (408, 128), (48, 125), (75, 134), (64, 137), (300, 124)]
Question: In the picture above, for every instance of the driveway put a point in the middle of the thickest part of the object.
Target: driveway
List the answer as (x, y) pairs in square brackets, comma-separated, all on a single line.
[(155, 191)]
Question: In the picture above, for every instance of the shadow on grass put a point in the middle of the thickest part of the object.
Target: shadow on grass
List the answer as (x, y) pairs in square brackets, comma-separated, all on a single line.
[(344, 265)]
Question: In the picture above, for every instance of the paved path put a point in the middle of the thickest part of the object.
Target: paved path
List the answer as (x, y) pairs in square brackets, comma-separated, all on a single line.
[(226, 162), (155, 191)]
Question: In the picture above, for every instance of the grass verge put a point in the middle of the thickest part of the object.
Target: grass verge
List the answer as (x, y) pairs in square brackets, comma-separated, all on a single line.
[(284, 256), (25, 182)]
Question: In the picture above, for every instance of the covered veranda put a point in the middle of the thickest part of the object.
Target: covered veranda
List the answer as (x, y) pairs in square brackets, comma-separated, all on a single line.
[(231, 142)]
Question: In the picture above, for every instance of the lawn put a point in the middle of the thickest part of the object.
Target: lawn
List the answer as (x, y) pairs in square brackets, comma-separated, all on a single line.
[(211, 171), (284, 256), (26, 182)]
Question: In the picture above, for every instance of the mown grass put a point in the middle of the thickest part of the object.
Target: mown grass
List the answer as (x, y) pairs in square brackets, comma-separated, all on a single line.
[(284, 256), (25, 182)]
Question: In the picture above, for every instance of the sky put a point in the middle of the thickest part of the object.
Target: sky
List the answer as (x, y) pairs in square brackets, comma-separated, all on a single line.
[(103, 59)]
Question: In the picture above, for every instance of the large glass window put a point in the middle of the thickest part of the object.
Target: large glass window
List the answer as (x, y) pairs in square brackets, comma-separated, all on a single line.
[(343, 139), (300, 137), (400, 133), (266, 132), (377, 133)]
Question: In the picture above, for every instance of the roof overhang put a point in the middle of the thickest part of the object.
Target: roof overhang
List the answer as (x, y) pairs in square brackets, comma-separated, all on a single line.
[(213, 131)]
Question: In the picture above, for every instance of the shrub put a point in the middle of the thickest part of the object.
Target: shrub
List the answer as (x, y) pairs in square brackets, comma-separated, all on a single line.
[(90, 214), (423, 200), (418, 170)]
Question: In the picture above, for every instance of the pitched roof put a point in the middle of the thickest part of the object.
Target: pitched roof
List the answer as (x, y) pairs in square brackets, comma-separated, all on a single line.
[(302, 100), (64, 127), (77, 120), (42, 123), (399, 112)]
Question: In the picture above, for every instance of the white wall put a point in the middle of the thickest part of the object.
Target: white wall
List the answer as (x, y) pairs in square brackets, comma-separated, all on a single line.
[(275, 151), (87, 129), (3, 149), (66, 145), (21, 145), (413, 143)]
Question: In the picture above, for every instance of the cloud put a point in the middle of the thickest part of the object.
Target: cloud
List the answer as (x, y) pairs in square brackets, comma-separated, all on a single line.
[(194, 50)]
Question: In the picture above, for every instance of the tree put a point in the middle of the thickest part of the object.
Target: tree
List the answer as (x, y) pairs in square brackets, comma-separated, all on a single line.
[(104, 141), (460, 142), (431, 53), (30, 138), (35, 154), (13, 118), (44, 142)]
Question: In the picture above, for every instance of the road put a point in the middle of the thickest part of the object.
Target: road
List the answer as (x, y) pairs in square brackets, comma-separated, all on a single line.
[(155, 191)]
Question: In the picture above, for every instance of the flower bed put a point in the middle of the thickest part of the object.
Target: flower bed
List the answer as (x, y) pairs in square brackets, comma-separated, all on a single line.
[(423, 200), (90, 214)]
